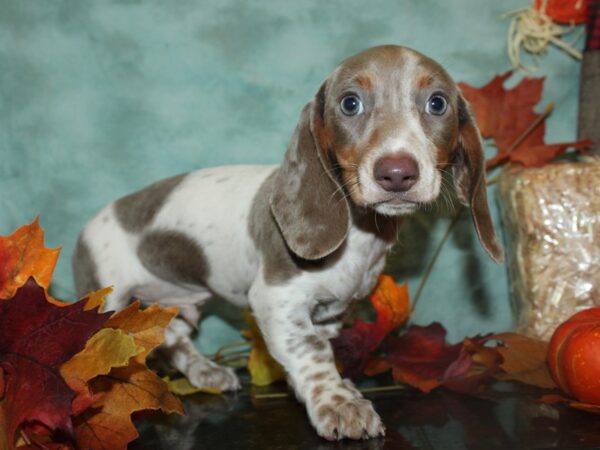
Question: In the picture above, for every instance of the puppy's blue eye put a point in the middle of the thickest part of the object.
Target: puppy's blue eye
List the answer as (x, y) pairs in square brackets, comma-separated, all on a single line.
[(436, 105), (351, 105)]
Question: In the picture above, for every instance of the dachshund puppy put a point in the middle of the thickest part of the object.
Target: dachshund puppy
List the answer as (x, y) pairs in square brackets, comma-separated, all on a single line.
[(300, 241)]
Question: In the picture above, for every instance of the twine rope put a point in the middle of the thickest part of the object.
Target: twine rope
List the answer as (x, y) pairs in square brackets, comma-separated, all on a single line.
[(534, 30)]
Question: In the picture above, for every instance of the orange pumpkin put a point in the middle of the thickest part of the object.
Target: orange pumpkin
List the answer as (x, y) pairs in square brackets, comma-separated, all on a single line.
[(574, 356), (564, 11)]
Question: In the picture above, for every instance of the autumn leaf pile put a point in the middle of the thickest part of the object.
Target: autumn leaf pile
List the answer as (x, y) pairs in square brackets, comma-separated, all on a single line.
[(70, 376), (420, 356)]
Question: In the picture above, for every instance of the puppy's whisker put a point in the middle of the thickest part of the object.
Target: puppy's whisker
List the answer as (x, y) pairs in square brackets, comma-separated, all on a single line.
[(341, 189)]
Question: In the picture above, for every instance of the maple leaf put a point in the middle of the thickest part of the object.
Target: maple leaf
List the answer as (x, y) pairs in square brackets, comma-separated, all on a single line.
[(524, 359), (36, 337), (263, 368), (182, 386), (97, 298), (507, 114), (392, 306), (23, 255), (556, 398), (107, 424), (354, 346), (118, 384), (106, 349), (422, 358), (147, 327)]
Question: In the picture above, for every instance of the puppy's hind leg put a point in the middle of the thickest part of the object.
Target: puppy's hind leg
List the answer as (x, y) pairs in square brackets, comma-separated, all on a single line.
[(181, 353)]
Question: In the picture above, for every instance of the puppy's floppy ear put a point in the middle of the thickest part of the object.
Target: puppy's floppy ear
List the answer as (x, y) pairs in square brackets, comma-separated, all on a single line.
[(468, 167), (307, 201)]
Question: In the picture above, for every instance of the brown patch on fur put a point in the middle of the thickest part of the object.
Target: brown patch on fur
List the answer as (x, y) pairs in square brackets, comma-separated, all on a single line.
[(136, 211), (84, 269), (349, 160), (444, 153), (299, 323), (311, 213), (423, 81), (364, 81), (304, 369), (374, 138), (279, 265), (471, 187), (315, 343), (317, 391), (323, 135), (322, 359), (323, 412), (319, 376), (173, 256), (338, 399)]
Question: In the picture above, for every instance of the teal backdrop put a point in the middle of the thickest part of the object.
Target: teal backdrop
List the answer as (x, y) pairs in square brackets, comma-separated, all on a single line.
[(98, 99)]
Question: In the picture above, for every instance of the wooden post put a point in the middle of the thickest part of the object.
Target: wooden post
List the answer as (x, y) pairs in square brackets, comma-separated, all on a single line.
[(589, 93)]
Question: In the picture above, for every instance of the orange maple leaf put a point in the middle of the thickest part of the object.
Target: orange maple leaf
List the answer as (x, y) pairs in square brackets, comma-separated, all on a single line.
[(392, 305), (23, 255), (107, 424), (524, 359)]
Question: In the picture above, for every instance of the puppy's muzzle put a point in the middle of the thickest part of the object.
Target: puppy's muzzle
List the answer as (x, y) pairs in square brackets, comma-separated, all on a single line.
[(397, 173)]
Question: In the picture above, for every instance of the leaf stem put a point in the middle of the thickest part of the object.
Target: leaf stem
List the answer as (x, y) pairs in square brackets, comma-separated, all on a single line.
[(524, 135), (435, 256), (373, 390), (219, 354)]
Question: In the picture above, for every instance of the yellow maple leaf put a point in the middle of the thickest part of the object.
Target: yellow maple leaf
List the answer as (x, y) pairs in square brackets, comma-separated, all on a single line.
[(147, 327), (106, 349), (97, 298), (263, 369), (23, 255), (182, 386)]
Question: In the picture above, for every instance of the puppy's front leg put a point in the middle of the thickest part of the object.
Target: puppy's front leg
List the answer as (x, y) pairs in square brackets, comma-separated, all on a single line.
[(335, 407)]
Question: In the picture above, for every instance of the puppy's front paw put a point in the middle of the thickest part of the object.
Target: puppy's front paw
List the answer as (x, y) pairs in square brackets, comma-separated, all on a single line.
[(206, 374), (341, 418)]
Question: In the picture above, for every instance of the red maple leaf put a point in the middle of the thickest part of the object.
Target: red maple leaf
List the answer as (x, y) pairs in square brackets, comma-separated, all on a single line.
[(422, 358), (354, 346), (36, 337), (506, 115)]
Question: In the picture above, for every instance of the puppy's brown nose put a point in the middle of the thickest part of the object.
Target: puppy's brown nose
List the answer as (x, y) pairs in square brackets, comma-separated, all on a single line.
[(397, 173)]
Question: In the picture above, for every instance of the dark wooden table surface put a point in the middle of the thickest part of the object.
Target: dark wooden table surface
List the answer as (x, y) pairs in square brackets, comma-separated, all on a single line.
[(508, 418)]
